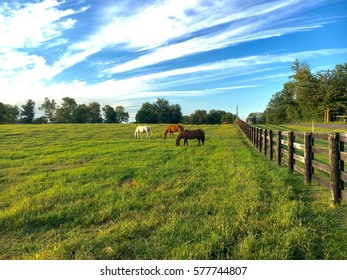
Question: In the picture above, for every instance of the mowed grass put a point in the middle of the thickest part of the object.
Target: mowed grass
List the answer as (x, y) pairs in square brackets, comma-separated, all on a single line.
[(95, 192)]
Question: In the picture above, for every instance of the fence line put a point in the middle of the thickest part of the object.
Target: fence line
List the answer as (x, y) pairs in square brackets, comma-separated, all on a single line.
[(320, 157)]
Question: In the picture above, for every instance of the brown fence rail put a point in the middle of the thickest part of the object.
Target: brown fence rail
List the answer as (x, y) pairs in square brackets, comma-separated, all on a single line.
[(320, 157)]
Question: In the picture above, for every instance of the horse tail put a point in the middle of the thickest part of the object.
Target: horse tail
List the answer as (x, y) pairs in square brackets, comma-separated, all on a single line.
[(150, 130)]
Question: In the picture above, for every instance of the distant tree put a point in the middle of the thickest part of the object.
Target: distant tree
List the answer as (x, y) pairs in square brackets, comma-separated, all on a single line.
[(175, 114), (332, 88), (65, 113), (110, 115), (40, 120), (12, 113), (215, 116), (27, 112), (186, 119), (82, 114), (147, 114), (49, 108), (289, 104), (95, 112), (8, 113), (227, 118), (306, 91), (162, 109), (121, 115), (340, 86), (255, 117), (159, 112), (308, 97), (276, 111), (2, 113), (199, 117)]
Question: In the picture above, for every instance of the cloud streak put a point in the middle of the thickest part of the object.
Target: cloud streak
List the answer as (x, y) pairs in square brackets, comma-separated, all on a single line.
[(124, 51)]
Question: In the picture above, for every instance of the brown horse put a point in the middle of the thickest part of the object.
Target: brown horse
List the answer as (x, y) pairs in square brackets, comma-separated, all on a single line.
[(172, 128), (191, 134)]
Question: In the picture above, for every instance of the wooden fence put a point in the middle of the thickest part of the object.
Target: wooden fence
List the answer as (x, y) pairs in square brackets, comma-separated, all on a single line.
[(320, 157)]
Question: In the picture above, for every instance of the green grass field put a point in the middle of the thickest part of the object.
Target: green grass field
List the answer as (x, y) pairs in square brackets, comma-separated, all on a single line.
[(95, 192)]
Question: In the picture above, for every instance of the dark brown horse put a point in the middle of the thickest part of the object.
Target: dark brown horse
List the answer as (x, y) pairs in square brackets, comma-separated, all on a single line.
[(171, 129), (191, 134)]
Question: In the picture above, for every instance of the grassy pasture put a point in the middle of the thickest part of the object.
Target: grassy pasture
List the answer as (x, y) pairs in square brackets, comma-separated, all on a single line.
[(94, 192)]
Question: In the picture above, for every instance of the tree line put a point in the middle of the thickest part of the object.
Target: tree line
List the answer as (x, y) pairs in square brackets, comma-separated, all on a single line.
[(68, 112), (319, 97), (162, 112), (71, 112)]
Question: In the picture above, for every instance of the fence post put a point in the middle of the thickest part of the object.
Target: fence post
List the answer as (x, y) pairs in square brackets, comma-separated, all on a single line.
[(334, 155), (256, 137), (252, 137), (265, 142), (279, 147), (308, 158), (342, 163), (260, 139), (271, 144), (291, 151)]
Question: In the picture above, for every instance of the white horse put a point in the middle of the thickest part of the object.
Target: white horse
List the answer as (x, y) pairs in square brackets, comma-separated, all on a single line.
[(143, 128)]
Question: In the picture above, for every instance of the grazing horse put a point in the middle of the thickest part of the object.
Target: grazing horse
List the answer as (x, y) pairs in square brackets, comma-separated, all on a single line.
[(191, 134), (143, 128), (172, 128)]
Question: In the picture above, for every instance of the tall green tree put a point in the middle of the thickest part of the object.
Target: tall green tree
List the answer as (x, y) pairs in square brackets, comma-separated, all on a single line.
[(256, 117), (82, 114), (227, 118), (159, 112), (276, 111), (121, 115), (332, 87), (175, 114), (110, 115), (95, 112), (8, 113), (199, 117), (162, 109), (306, 91), (340, 84), (65, 113), (214, 116), (147, 114), (2, 113), (27, 112), (49, 108)]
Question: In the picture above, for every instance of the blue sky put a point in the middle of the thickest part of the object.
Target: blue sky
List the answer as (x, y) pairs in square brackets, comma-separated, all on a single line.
[(201, 54)]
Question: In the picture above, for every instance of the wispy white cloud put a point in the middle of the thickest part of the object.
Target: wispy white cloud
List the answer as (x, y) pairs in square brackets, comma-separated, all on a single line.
[(35, 46), (236, 66), (26, 30), (244, 24), (149, 85), (152, 27), (31, 24)]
